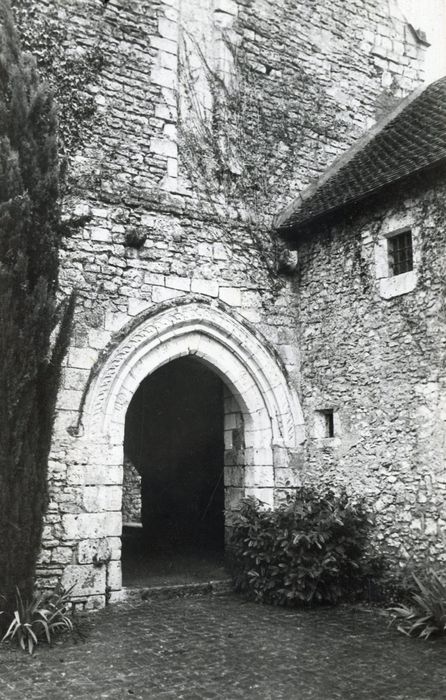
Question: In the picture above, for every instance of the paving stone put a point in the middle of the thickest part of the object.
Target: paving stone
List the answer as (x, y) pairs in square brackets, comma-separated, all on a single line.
[(200, 648)]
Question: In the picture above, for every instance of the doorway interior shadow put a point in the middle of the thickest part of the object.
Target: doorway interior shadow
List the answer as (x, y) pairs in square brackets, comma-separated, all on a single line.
[(174, 477)]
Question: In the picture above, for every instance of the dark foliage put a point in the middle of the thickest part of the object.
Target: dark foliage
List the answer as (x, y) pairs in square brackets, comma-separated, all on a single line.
[(41, 618), (29, 362), (424, 615), (309, 550), (44, 32)]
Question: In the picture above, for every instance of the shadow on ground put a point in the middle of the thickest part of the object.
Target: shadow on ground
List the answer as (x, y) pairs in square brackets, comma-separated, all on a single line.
[(173, 563), (221, 647)]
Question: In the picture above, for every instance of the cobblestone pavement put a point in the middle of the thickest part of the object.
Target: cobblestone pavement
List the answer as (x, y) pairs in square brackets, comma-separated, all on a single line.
[(222, 647)]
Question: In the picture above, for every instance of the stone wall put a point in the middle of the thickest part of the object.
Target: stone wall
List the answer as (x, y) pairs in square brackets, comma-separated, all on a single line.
[(178, 211), (131, 494), (379, 363)]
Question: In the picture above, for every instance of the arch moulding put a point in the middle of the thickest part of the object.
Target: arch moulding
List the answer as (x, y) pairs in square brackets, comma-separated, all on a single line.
[(248, 367)]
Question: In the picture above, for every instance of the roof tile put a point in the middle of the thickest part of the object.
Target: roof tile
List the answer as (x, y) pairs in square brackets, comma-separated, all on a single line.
[(410, 139)]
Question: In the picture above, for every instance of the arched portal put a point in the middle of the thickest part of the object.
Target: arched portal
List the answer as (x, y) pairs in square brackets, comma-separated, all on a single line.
[(174, 475), (262, 415)]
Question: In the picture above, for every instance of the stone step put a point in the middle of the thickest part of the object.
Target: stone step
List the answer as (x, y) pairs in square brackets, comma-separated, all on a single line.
[(217, 587)]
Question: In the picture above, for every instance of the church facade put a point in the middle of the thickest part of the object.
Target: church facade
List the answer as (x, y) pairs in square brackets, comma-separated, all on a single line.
[(200, 121)]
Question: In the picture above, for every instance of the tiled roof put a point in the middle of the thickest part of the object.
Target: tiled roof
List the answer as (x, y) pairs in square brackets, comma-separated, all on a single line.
[(410, 139)]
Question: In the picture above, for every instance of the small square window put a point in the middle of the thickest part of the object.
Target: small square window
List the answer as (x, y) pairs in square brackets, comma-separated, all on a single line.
[(325, 423), (329, 423), (400, 253)]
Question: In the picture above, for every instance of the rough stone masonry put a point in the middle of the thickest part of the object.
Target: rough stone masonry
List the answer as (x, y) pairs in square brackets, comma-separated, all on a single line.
[(187, 124)]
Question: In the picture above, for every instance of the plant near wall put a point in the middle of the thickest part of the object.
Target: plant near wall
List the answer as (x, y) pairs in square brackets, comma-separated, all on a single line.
[(239, 151), (34, 330), (425, 615), (309, 550), (69, 73), (42, 617)]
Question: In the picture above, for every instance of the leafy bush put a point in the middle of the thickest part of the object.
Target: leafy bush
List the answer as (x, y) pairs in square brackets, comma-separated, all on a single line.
[(43, 616), (308, 550), (426, 614)]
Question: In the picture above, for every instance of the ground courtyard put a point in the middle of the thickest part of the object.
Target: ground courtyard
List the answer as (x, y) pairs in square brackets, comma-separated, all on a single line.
[(208, 646)]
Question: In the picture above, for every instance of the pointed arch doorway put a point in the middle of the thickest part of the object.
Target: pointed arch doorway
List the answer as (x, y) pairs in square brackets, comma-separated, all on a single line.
[(173, 487), (262, 418)]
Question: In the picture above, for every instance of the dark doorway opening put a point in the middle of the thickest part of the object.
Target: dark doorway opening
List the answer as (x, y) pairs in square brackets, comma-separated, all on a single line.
[(174, 447)]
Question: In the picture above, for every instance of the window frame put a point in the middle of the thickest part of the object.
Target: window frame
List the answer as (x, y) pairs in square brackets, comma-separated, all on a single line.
[(326, 426), (389, 284), (395, 256)]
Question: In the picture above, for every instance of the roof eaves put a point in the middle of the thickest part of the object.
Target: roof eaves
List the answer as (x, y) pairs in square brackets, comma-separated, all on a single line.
[(295, 227), (283, 220)]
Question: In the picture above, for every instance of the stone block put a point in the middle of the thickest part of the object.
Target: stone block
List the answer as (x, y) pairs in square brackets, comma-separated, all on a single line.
[(164, 77), (168, 60), (227, 6), (281, 457), (62, 555), (264, 495), (233, 497), (82, 358), (289, 354), (172, 168), (82, 526), (95, 602), (64, 421), (207, 287), (170, 131), (115, 546), (230, 295), (87, 580), (259, 476), (98, 498), (101, 234), (106, 474), (168, 29), (160, 294), (154, 278), (98, 339), (169, 184), (136, 306), (219, 252), (163, 147), (44, 557), (204, 250), (234, 476), (74, 378), (114, 575), (69, 399), (165, 44), (169, 97), (75, 474), (251, 315), (168, 114), (398, 285), (251, 299), (97, 551), (181, 283), (115, 320), (231, 420)]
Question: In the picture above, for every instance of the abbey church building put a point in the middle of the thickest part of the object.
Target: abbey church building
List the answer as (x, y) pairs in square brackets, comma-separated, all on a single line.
[(260, 271)]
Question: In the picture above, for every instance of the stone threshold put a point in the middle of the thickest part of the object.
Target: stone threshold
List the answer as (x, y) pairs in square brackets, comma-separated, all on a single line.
[(217, 587)]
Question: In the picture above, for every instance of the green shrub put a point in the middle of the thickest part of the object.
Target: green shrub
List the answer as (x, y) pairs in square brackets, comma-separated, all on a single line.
[(40, 618), (425, 615), (308, 550)]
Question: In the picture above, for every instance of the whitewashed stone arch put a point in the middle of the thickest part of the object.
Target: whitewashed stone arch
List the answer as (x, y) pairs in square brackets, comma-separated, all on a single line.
[(271, 411)]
